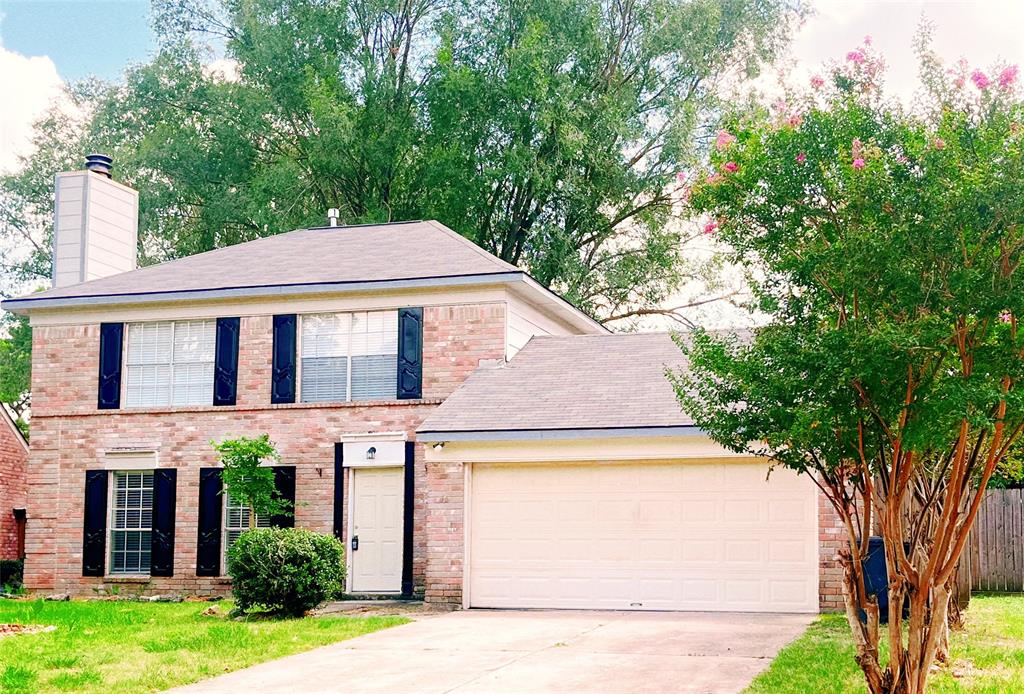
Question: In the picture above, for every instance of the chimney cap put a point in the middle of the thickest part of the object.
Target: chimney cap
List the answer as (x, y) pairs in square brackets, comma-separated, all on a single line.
[(100, 163)]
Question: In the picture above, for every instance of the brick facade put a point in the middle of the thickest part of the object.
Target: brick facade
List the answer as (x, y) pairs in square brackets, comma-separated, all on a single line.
[(70, 436), (831, 535), (13, 463)]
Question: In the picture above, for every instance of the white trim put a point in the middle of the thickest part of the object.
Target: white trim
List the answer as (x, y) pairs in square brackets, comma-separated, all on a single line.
[(559, 434), (130, 459), (108, 561), (374, 436), (467, 500)]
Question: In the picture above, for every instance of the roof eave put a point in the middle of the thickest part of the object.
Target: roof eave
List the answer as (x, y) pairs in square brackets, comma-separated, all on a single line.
[(25, 305), (435, 436)]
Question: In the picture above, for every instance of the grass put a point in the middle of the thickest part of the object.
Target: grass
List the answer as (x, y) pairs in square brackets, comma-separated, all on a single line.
[(986, 658), (132, 647)]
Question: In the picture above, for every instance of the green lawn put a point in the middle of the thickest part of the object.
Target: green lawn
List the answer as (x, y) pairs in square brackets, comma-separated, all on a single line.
[(986, 658), (133, 647)]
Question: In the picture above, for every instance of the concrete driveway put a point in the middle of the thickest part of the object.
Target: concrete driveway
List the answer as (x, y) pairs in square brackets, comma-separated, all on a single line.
[(535, 651)]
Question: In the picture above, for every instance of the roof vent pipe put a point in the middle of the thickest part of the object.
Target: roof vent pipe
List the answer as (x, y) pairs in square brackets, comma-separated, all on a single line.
[(332, 216), (100, 163)]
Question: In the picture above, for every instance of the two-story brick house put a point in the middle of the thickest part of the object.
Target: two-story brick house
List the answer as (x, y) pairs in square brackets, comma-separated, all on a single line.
[(566, 477)]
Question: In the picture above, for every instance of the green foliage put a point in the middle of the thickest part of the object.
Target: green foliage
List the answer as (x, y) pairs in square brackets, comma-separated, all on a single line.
[(16, 365), (885, 249), (247, 479), (285, 570), (11, 574), (548, 131)]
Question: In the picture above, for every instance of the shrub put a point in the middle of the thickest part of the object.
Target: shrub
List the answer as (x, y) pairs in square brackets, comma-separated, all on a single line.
[(285, 570), (11, 574)]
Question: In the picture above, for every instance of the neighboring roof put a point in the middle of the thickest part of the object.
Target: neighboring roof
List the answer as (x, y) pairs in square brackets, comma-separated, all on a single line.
[(308, 261), (16, 432), (584, 382)]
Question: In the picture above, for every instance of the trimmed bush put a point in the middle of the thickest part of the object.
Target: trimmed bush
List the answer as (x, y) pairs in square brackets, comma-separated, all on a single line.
[(11, 573), (286, 570)]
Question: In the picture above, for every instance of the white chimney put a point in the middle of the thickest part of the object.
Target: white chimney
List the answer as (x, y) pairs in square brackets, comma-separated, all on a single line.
[(95, 225)]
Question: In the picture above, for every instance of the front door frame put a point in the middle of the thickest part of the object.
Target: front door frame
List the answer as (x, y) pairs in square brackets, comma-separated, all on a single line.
[(345, 466)]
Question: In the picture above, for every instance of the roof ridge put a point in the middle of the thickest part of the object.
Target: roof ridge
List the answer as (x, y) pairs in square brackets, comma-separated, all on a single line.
[(469, 244)]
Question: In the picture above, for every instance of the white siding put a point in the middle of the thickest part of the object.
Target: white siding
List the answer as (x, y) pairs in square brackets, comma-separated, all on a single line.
[(525, 321), (95, 228)]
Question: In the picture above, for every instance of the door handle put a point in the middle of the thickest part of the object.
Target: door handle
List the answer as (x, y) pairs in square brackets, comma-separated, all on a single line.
[(355, 543)]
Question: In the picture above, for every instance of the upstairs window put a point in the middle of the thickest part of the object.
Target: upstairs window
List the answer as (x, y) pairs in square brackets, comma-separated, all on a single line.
[(349, 356), (170, 363)]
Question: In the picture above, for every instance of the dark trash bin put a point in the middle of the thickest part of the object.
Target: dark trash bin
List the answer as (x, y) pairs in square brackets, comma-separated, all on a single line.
[(876, 579)]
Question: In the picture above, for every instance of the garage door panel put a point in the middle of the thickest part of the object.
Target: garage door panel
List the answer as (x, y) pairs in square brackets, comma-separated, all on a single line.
[(642, 536)]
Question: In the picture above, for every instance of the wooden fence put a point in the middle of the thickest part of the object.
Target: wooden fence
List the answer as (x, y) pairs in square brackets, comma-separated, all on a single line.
[(996, 549)]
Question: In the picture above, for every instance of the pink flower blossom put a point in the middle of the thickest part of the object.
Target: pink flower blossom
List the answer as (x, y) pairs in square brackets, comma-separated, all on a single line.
[(959, 81), (856, 147), (711, 227), (980, 79), (724, 139), (939, 143), (795, 120), (858, 163), (731, 166), (681, 177), (855, 56), (867, 40), (801, 158), (817, 81), (1005, 317), (1008, 77), (714, 178)]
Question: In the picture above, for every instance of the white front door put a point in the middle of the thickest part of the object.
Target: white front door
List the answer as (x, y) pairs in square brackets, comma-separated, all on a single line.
[(376, 540)]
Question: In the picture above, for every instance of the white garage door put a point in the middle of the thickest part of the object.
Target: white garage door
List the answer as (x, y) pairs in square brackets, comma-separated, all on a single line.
[(643, 536)]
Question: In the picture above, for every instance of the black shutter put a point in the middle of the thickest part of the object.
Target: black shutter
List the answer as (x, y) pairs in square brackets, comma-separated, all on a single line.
[(282, 388), (408, 506), (162, 550), (210, 509), (410, 353), (94, 525), (339, 490), (111, 340), (225, 364), (284, 483)]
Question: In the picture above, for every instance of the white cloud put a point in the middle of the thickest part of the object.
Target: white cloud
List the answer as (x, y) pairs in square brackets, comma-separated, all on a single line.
[(29, 85), (982, 31)]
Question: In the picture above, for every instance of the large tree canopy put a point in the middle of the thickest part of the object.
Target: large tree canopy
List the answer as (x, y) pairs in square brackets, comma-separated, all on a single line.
[(548, 131), (885, 248)]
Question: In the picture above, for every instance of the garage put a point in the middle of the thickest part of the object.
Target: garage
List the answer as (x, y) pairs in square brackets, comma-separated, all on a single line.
[(642, 535)]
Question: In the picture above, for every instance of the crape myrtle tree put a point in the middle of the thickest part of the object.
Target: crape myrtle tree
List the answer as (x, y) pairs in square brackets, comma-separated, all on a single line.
[(884, 247)]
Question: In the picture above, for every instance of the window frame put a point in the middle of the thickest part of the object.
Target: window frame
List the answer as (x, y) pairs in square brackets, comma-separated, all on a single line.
[(126, 366), (300, 320), (112, 515), (226, 530)]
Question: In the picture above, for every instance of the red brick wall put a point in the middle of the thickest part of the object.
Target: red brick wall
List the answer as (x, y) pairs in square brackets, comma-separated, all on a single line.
[(13, 461), (831, 535), (70, 436)]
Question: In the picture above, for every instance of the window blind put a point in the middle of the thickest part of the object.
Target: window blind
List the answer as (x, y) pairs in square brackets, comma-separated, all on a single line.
[(170, 363), (349, 356), (131, 522)]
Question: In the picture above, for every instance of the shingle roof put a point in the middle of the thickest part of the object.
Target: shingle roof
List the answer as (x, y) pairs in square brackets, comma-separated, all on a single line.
[(398, 251), (578, 382)]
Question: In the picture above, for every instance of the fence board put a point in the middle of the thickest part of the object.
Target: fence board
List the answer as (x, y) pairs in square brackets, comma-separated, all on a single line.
[(996, 547)]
